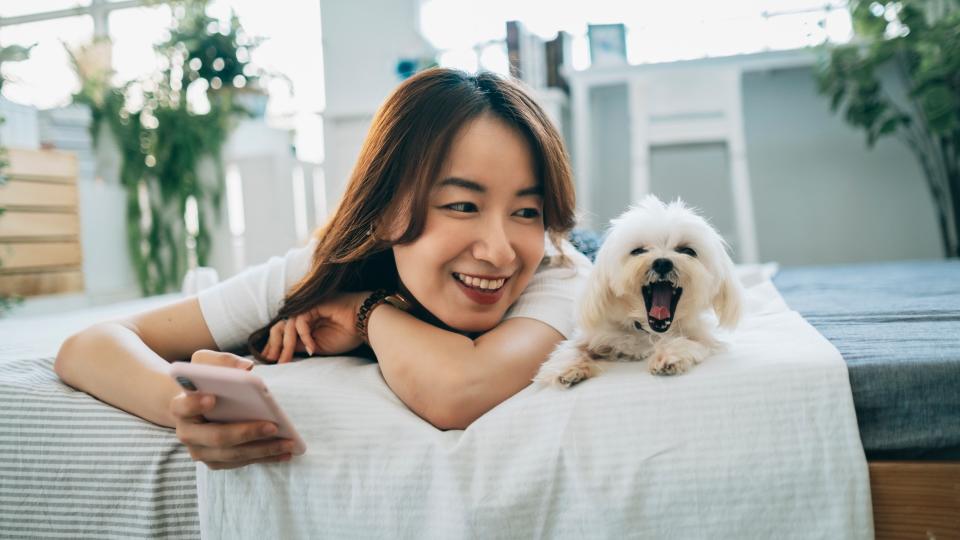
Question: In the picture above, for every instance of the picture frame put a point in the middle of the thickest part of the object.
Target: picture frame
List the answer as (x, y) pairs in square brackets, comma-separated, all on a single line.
[(608, 44)]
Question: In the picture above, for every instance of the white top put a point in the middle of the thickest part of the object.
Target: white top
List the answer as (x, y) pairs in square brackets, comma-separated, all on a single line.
[(248, 301)]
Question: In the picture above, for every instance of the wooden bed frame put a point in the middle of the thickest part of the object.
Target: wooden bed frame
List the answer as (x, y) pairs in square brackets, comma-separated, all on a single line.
[(916, 499)]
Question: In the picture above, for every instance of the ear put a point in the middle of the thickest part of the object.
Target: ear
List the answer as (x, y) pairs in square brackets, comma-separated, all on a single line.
[(728, 302), (595, 299)]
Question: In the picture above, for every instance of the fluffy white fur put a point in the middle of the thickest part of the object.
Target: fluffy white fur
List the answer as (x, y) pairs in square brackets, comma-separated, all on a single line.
[(613, 318)]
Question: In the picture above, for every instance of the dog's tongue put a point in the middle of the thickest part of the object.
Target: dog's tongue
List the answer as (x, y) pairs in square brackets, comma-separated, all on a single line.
[(662, 295)]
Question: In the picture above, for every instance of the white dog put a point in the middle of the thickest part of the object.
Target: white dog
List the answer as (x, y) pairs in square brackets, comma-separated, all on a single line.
[(658, 274)]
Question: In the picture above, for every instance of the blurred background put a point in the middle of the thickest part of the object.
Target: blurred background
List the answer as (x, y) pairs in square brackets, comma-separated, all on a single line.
[(142, 139)]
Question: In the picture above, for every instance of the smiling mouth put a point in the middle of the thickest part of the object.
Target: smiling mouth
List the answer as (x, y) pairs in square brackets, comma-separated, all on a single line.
[(480, 284), (661, 299)]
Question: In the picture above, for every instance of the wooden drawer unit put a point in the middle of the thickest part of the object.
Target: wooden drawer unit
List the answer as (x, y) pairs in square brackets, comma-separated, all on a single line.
[(40, 230)]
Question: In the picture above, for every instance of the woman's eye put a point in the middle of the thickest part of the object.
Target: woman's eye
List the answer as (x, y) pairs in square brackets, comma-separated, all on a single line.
[(462, 207), (528, 213), (638, 251), (686, 251)]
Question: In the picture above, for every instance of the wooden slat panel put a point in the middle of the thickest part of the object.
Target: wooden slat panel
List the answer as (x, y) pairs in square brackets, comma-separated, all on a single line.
[(25, 193), (43, 165), (40, 283), (37, 225), (915, 499), (55, 254)]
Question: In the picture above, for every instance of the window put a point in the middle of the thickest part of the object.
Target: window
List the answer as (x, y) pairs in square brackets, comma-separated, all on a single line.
[(656, 31)]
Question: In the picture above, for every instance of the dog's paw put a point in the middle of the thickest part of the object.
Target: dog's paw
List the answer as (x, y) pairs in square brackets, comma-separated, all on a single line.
[(669, 362), (578, 372), (567, 366)]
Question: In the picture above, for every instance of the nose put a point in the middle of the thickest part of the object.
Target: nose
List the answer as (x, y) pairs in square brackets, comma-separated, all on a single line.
[(493, 245), (662, 266)]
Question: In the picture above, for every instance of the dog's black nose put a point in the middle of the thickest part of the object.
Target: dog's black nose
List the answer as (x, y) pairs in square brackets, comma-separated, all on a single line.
[(662, 266)]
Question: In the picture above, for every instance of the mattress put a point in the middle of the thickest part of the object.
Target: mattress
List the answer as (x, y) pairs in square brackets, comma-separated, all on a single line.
[(72, 466), (759, 441), (897, 326)]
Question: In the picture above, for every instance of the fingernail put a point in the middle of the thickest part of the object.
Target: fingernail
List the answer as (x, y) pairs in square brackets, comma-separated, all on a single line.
[(309, 350), (268, 429), (206, 401)]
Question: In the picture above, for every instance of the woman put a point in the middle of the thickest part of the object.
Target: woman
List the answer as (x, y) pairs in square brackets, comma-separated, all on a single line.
[(434, 262)]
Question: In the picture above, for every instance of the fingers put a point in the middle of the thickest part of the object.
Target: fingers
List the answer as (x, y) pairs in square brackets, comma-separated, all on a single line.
[(306, 333), (225, 445), (271, 351), (193, 429), (219, 465), (190, 407), (217, 358), (237, 456), (289, 341)]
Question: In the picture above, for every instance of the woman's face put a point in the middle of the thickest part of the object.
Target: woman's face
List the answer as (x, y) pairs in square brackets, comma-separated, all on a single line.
[(484, 236)]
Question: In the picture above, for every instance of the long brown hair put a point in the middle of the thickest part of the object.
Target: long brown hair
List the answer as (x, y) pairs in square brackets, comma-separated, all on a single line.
[(400, 159)]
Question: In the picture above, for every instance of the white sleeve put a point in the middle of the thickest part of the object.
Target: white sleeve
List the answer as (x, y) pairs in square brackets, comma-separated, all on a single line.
[(553, 290), (246, 302)]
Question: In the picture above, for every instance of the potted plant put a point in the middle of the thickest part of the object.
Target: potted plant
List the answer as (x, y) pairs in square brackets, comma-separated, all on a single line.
[(163, 142)]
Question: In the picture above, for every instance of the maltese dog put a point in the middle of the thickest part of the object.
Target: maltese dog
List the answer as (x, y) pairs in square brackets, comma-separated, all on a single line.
[(658, 276)]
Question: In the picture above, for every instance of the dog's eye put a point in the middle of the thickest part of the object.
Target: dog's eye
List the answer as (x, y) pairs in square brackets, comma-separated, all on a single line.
[(638, 251), (686, 251)]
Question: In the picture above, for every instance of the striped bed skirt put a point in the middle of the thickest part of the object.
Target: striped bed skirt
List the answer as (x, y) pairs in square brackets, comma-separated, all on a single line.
[(72, 466)]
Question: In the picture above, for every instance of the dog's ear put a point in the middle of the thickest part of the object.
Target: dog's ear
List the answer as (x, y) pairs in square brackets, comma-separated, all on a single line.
[(728, 302), (595, 299)]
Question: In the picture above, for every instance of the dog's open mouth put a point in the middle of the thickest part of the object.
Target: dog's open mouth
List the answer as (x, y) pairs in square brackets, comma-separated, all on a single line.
[(661, 298)]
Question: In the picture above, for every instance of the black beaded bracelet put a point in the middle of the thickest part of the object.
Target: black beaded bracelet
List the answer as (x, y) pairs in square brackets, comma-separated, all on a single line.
[(363, 315)]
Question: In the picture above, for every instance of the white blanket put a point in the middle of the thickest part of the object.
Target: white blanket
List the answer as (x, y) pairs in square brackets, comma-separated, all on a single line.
[(758, 442)]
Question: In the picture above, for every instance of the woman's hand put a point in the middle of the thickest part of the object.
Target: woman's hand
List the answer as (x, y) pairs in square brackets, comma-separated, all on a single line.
[(224, 445), (327, 329)]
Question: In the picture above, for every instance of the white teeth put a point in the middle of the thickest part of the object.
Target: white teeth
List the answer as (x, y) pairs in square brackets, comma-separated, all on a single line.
[(488, 284)]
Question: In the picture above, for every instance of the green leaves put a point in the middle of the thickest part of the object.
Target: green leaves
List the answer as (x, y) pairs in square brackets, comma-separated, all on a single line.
[(164, 142), (13, 53), (940, 107), (915, 45)]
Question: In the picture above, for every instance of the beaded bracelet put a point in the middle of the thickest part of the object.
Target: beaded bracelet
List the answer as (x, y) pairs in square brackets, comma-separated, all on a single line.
[(376, 298), (363, 315)]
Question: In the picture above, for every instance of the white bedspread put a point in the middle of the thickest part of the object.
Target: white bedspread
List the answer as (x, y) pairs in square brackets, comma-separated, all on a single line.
[(759, 442)]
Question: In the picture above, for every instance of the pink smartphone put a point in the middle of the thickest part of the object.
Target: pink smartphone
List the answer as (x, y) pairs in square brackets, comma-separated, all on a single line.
[(241, 396)]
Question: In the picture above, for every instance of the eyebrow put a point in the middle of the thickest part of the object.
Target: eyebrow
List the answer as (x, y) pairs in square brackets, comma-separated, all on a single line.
[(479, 188)]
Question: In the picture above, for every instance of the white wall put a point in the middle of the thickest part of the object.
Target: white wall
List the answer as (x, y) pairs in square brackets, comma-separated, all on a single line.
[(819, 195), (362, 42)]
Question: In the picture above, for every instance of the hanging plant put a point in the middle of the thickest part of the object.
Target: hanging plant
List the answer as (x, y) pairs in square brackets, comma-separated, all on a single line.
[(163, 142)]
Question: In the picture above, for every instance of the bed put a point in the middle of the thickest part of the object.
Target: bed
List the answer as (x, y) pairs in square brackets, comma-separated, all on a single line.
[(72, 467), (897, 325)]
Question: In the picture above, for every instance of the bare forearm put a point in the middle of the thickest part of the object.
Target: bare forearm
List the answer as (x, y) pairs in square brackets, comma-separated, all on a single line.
[(424, 365), (110, 362), (451, 380)]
